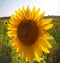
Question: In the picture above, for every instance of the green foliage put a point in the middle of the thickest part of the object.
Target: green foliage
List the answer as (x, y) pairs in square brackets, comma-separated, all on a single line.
[(5, 49), (54, 56)]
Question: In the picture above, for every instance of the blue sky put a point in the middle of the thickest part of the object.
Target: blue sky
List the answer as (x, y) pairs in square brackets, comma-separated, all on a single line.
[(8, 7)]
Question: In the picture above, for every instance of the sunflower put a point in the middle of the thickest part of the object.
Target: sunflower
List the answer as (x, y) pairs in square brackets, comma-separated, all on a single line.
[(5, 22), (29, 31)]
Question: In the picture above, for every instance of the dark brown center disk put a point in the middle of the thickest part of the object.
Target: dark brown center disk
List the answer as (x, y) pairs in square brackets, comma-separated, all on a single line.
[(27, 32), (6, 23)]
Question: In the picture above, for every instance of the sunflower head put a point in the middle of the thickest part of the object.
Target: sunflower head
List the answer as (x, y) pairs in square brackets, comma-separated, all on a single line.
[(5, 22), (29, 31)]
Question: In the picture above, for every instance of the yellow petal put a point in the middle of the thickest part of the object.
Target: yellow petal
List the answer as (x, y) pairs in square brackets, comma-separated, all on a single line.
[(23, 11), (16, 45), (37, 13), (11, 33), (13, 44), (49, 26), (14, 22), (28, 13), (33, 13), (45, 49), (27, 59), (48, 36), (37, 57), (14, 18), (38, 10), (12, 29), (11, 26), (27, 56), (46, 21), (18, 15), (40, 17), (11, 22), (44, 42)]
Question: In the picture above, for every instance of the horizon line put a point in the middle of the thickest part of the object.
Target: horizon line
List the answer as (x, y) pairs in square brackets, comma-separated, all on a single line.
[(48, 16)]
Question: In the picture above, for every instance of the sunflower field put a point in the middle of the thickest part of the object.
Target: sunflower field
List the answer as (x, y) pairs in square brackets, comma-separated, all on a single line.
[(7, 55)]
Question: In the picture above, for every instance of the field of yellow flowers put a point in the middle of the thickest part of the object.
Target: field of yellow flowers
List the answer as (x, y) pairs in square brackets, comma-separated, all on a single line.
[(7, 55)]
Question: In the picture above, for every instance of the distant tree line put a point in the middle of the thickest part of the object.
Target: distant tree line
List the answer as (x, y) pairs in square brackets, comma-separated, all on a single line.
[(52, 16)]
